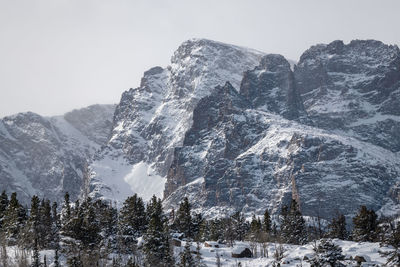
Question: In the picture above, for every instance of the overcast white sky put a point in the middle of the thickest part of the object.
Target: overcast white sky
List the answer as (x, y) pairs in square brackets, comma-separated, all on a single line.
[(57, 55)]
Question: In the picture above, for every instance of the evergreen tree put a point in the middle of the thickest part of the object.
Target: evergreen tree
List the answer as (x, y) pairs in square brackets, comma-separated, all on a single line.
[(30, 232), (45, 224), (337, 228), (54, 214), (255, 225), (3, 207), (88, 234), (240, 226), (36, 256), (14, 219), (229, 232), (183, 219), (197, 226), (293, 224), (186, 259), (66, 209), (255, 233), (167, 248), (392, 237), (365, 225), (55, 227), (156, 246), (267, 225), (108, 222), (327, 253), (215, 230), (132, 221)]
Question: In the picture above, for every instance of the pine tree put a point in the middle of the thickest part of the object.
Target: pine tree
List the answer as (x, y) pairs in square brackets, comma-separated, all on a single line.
[(229, 232), (156, 246), (186, 259), (327, 253), (183, 219), (197, 226), (30, 232), (14, 219), (215, 230), (66, 209), (267, 225), (365, 225), (166, 246), (55, 227), (107, 217), (3, 207), (240, 226), (132, 222), (293, 224), (36, 256), (89, 232), (45, 224), (255, 227), (337, 228), (391, 237)]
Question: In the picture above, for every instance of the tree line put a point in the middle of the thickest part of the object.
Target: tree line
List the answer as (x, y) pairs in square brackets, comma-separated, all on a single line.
[(94, 232)]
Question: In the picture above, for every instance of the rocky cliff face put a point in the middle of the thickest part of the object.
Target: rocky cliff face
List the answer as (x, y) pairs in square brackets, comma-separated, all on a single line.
[(151, 120), (325, 134), (49, 156), (236, 157), (353, 88)]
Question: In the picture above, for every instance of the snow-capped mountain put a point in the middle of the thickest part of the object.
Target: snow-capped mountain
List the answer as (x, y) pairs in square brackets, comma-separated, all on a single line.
[(151, 120), (48, 156), (323, 131), (353, 88), (231, 128)]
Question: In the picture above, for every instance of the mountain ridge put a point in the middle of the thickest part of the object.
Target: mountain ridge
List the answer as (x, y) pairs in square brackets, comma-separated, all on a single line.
[(272, 88), (235, 129)]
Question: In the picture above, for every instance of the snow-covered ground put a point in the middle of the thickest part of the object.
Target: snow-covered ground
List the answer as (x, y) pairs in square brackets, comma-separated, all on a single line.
[(294, 255)]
